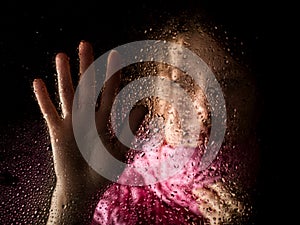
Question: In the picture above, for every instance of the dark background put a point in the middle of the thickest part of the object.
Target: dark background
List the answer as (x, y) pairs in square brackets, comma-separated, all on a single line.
[(31, 35)]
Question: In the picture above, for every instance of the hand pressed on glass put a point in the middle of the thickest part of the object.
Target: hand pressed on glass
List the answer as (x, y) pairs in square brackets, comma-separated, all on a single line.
[(77, 184)]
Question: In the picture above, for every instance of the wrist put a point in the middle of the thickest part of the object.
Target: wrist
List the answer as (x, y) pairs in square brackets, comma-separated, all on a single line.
[(72, 206)]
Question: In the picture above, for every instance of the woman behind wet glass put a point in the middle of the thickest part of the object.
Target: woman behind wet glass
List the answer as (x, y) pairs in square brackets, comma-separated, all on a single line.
[(82, 196)]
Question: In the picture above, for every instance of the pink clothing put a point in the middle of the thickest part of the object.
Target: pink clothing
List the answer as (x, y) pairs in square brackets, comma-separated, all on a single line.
[(169, 201)]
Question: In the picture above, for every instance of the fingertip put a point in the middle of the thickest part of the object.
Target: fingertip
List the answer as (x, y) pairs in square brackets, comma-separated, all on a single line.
[(82, 43), (61, 57), (36, 80), (37, 84), (85, 46), (115, 56), (86, 56), (114, 63)]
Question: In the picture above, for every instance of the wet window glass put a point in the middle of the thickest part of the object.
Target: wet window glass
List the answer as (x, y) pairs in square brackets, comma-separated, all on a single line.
[(151, 115)]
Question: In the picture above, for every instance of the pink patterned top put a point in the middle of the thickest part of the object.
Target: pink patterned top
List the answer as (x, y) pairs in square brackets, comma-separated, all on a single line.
[(169, 201)]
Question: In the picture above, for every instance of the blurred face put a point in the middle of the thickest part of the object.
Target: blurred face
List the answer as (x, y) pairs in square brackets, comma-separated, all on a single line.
[(173, 129), (238, 87), (238, 155)]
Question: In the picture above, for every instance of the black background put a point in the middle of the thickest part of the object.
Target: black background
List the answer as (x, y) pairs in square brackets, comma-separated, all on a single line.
[(31, 35)]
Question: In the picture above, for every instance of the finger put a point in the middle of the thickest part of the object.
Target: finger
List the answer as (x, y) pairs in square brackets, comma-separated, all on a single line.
[(206, 195), (86, 56), (111, 86), (46, 105), (86, 88), (226, 195), (113, 79), (222, 192), (210, 205), (65, 86), (110, 90)]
